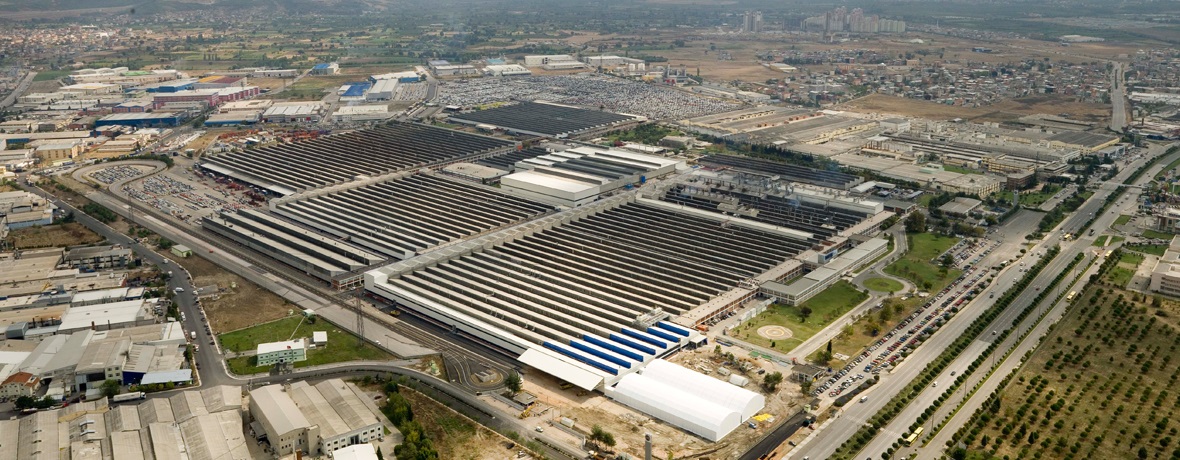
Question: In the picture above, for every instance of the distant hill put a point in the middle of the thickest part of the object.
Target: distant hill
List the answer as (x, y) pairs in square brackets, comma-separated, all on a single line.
[(154, 6)]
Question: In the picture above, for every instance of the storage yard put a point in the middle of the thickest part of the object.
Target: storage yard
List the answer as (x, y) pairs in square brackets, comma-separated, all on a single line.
[(613, 94), (290, 168)]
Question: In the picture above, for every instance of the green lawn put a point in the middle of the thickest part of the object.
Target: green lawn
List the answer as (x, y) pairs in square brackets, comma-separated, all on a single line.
[(1122, 272), (47, 75), (916, 266), (1122, 220), (342, 345), (883, 285), (1149, 233), (1038, 198), (825, 307), (1153, 249), (1167, 168)]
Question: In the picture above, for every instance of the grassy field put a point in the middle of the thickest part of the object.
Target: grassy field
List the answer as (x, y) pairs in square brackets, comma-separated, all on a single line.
[(883, 285), (342, 345), (63, 235), (916, 266), (1167, 169), (825, 307), (1149, 233), (1153, 249), (1100, 386), (1121, 273), (1122, 220), (1036, 199), (47, 75), (1102, 241), (453, 435)]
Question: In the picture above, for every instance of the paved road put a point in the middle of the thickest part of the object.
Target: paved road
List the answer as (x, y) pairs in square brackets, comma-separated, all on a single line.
[(836, 431), (1118, 98), (19, 90), (935, 446)]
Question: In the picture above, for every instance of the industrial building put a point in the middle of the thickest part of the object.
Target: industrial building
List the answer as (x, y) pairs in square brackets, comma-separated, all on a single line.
[(290, 168), (553, 62), (546, 119), (308, 251), (328, 68), (362, 113), (98, 257), (205, 424), (122, 76), (408, 76), (778, 125), (931, 177), (293, 112), (141, 120), (794, 173), (506, 70), (419, 211), (20, 209), (580, 175), (204, 97), (234, 118), (588, 295), (315, 419)]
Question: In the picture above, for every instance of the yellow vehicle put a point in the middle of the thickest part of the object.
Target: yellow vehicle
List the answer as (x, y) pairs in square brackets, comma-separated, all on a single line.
[(527, 411), (1072, 294), (913, 437)]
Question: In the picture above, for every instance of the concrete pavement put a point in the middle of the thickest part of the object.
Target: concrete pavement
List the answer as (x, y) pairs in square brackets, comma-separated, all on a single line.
[(20, 89)]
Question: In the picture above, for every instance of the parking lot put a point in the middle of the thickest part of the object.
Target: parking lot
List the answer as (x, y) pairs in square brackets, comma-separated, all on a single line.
[(114, 174), (190, 196)]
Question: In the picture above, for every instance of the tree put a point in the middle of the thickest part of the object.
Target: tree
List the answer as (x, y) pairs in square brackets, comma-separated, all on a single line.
[(915, 223), (25, 402), (770, 381), (805, 386), (948, 260), (601, 436), (513, 382), (110, 387), (804, 312)]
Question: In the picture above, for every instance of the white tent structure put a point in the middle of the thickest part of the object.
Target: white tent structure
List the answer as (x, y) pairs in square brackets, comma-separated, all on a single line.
[(695, 402)]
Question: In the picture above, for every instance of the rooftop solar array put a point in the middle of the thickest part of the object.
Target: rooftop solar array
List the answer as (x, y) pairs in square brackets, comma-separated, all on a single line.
[(596, 275), (291, 168), (794, 173), (822, 221), (543, 119), (400, 217)]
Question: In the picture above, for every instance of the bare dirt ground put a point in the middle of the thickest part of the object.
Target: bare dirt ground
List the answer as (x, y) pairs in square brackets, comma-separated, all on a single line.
[(64, 235), (1003, 111), (235, 307)]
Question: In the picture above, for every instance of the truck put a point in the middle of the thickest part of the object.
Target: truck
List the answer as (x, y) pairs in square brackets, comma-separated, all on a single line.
[(132, 396), (192, 335)]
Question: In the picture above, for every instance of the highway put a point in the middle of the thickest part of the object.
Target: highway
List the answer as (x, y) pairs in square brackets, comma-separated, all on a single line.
[(1118, 98), (833, 433), (20, 89)]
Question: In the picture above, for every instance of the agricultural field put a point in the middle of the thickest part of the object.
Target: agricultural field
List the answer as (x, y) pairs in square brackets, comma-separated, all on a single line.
[(62, 235), (803, 321), (1101, 385), (342, 345), (917, 267)]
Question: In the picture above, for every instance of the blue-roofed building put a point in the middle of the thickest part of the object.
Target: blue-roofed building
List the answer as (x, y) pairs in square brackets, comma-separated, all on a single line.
[(171, 86), (355, 90), (331, 68), (496, 61)]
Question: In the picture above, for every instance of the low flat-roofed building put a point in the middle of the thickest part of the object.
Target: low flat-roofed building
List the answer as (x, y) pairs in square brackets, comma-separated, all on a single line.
[(152, 364), (317, 419), (360, 113), (98, 257), (59, 151), (101, 360), (474, 172), (960, 206), (108, 316), (281, 352), (355, 452), (1165, 277), (300, 112)]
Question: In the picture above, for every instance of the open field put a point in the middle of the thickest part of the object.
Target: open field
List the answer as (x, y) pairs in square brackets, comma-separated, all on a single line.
[(1122, 272), (916, 265), (1099, 386), (1107, 240), (342, 345), (1122, 220), (1149, 233), (1036, 199), (1153, 249), (883, 285), (63, 235), (824, 308), (1003, 111), (240, 303), (454, 436)]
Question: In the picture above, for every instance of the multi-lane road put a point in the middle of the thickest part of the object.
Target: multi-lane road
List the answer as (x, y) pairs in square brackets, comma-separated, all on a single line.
[(1118, 98), (835, 432)]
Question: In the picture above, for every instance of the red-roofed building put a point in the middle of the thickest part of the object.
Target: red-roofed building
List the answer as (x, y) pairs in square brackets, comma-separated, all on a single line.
[(19, 384)]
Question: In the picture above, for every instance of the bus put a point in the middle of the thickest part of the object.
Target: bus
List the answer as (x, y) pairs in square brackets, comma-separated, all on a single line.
[(1072, 294), (913, 437)]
